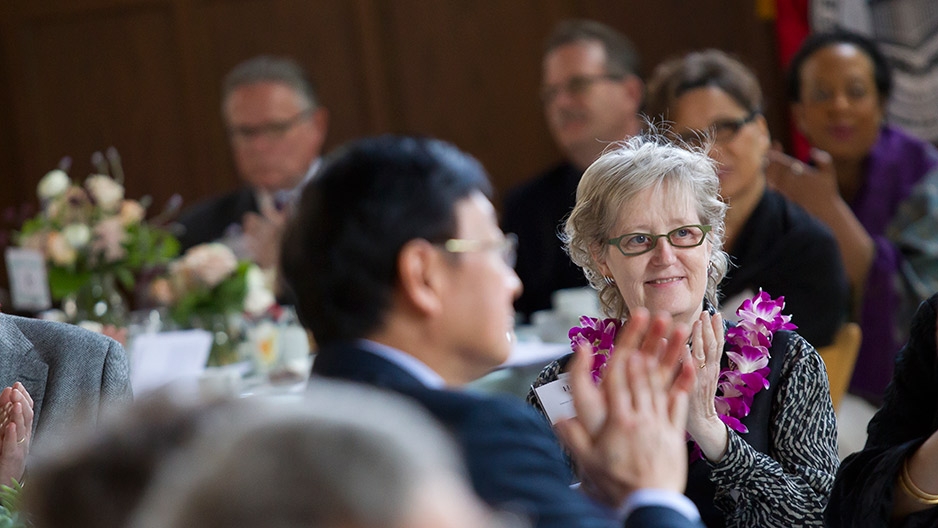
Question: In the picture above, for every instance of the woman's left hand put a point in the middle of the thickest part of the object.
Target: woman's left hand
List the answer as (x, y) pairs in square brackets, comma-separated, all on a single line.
[(703, 423)]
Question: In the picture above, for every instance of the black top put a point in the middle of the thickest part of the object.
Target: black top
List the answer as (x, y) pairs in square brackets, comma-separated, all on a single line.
[(785, 251), (210, 219), (535, 211), (865, 485), (779, 473)]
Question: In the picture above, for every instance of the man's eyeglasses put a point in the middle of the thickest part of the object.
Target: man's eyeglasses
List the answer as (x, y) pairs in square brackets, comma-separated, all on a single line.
[(272, 130), (507, 247), (575, 85), (721, 131), (632, 244)]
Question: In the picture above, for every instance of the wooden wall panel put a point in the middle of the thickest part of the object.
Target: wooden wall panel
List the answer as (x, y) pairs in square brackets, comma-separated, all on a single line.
[(470, 83), (87, 81), (144, 75)]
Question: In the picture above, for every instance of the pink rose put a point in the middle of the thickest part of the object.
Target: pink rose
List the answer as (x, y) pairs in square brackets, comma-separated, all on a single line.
[(131, 212), (59, 250), (209, 264), (109, 237)]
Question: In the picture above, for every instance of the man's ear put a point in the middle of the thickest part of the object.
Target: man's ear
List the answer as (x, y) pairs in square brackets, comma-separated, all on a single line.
[(420, 273), (635, 89), (320, 119)]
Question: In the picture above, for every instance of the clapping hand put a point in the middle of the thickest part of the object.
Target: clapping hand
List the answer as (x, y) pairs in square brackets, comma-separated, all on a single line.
[(703, 422), (16, 423), (629, 430), (262, 235)]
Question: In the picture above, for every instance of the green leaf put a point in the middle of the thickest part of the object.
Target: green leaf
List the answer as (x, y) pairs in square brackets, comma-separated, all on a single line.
[(64, 282)]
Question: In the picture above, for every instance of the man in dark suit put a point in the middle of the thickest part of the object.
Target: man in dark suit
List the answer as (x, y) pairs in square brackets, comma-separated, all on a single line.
[(401, 273), (591, 95), (276, 127)]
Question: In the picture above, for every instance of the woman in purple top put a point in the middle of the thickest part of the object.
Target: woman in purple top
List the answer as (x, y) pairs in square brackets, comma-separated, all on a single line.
[(870, 184)]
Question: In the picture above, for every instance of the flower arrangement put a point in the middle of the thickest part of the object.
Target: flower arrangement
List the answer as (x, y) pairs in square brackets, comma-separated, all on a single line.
[(88, 231), (209, 288), (10, 516), (209, 280), (747, 352)]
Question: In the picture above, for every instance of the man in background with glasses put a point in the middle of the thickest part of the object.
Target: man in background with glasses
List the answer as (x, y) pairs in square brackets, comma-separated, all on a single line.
[(276, 127), (591, 95)]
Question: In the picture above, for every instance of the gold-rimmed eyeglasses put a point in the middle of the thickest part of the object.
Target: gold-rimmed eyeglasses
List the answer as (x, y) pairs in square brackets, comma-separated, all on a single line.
[(632, 244), (507, 247)]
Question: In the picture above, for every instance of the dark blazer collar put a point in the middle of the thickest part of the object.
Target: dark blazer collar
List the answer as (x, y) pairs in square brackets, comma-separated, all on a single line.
[(349, 361), (19, 362)]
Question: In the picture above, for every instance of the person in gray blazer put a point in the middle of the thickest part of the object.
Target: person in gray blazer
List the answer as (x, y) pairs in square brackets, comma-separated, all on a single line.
[(61, 376)]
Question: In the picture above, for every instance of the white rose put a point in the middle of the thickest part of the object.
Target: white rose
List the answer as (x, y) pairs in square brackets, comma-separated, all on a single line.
[(210, 263), (53, 184), (77, 235), (106, 192), (259, 296)]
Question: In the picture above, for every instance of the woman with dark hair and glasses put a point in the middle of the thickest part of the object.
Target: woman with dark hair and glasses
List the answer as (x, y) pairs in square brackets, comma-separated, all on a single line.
[(875, 186), (773, 244), (647, 230)]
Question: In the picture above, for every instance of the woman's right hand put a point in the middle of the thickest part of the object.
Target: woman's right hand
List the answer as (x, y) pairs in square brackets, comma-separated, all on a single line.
[(816, 190), (813, 188)]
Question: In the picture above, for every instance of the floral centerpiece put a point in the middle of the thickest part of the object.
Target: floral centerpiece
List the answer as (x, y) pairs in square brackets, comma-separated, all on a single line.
[(747, 352), (95, 242), (10, 516), (208, 287)]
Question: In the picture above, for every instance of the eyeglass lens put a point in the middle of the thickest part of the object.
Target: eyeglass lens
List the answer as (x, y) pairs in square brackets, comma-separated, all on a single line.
[(682, 237)]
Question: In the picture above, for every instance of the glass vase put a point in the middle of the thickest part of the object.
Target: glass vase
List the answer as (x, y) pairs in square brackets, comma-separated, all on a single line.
[(227, 335), (99, 300)]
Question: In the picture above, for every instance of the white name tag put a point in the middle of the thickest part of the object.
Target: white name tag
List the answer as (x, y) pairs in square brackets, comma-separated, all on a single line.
[(556, 398), (29, 284)]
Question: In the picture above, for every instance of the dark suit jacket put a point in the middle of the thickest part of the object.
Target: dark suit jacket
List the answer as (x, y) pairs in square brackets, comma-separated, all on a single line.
[(71, 374), (207, 221), (514, 460), (535, 211), (866, 482)]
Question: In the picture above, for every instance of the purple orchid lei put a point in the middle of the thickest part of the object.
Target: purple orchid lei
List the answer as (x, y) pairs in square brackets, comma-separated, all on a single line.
[(747, 351)]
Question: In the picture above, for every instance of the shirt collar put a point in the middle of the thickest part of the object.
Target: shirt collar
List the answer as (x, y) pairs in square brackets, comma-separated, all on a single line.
[(413, 366)]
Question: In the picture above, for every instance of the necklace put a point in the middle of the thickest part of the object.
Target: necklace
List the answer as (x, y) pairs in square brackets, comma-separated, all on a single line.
[(747, 351)]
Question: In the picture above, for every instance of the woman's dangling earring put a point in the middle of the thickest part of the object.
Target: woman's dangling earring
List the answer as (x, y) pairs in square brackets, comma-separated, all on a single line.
[(609, 280)]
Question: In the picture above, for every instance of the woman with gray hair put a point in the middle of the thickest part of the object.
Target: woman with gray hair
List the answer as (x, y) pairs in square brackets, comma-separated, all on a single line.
[(647, 230)]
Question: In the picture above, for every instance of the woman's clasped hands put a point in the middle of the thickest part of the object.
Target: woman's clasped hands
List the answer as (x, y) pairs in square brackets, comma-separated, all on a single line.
[(16, 422)]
